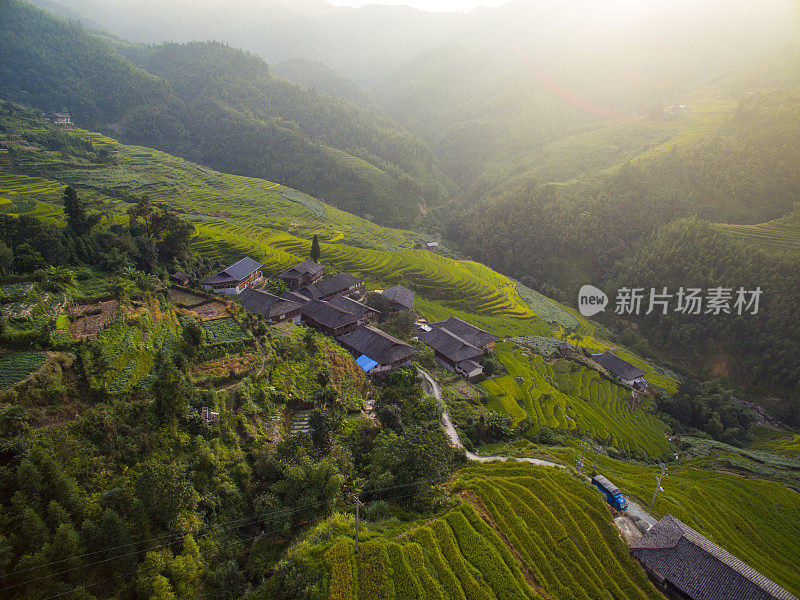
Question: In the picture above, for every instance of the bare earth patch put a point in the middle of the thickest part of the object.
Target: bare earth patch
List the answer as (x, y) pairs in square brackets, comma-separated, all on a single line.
[(91, 318)]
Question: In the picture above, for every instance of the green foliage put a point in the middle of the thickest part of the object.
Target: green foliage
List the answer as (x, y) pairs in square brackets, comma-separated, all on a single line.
[(16, 366), (711, 408), (221, 331)]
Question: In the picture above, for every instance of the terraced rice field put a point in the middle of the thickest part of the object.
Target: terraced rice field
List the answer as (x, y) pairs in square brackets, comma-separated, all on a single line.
[(557, 542), (758, 521), (16, 366), (788, 445), (572, 398), (130, 349), (781, 235)]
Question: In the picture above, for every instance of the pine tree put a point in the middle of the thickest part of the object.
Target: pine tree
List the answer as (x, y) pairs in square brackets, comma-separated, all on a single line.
[(315, 250), (75, 211)]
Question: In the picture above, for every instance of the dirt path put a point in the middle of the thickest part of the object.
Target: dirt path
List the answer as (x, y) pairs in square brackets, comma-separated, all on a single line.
[(430, 386), (634, 513)]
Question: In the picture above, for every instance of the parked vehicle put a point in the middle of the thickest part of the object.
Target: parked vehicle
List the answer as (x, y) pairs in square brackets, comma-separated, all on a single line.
[(613, 496)]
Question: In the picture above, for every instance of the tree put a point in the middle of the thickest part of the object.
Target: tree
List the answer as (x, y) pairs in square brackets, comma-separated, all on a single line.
[(276, 287), (315, 249), (78, 221), (6, 258)]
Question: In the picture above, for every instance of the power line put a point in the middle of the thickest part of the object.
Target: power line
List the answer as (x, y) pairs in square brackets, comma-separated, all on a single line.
[(243, 522), (262, 533)]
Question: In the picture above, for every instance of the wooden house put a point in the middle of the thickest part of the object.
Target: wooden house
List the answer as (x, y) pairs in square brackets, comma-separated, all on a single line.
[(234, 279)]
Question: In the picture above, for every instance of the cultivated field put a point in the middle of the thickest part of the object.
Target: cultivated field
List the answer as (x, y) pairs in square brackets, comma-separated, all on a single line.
[(16, 366), (522, 533), (573, 398)]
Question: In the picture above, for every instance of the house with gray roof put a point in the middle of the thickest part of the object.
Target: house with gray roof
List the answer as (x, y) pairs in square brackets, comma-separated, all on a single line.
[(274, 308), (471, 334), (452, 351), (400, 297), (301, 275), (362, 311), (328, 319), (376, 351), (234, 279), (688, 566), (622, 370), (340, 284)]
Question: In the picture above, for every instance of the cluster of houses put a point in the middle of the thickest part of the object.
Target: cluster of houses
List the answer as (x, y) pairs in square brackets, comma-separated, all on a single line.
[(333, 306)]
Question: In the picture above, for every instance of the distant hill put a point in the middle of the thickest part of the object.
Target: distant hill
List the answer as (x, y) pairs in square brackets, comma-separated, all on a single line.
[(221, 107), (315, 74)]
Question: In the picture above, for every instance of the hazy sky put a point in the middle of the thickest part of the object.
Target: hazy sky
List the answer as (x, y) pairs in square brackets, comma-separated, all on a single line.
[(433, 5)]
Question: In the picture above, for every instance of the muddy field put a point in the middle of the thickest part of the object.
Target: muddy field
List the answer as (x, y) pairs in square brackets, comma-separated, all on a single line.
[(89, 319)]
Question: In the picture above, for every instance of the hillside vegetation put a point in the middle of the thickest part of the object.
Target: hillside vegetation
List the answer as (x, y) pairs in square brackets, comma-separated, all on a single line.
[(237, 215), (221, 107)]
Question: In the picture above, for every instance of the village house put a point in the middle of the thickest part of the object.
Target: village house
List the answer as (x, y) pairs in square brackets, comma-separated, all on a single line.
[(232, 280), (687, 566), (58, 118), (362, 311), (328, 319), (457, 345), (473, 335), (301, 275), (275, 309), (622, 370), (343, 283), (376, 351), (452, 352), (180, 278), (400, 297)]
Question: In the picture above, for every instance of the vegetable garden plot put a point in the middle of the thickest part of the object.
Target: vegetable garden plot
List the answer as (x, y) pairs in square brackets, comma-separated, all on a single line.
[(16, 366)]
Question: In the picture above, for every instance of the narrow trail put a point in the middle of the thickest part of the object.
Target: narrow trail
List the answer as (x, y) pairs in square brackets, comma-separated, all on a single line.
[(642, 519), (434, 389)]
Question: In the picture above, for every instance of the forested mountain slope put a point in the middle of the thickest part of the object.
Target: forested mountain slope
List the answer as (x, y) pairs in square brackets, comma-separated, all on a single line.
[(741, 172), (220, 107), (537, 74)]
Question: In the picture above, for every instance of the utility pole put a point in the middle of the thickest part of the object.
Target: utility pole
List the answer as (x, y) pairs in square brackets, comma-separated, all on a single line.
[(596, 456), (658, 485), (358, 505), (579, 464)]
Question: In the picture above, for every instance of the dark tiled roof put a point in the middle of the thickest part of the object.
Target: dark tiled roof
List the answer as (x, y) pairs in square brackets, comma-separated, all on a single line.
[(307, 267), (352, 306), (400, 295), (614, 364), (180, 275), (266, 304), (294, 297), (327, 315), (376, 344), (448, 344), (468, 366), (469, 333), (241, 269), (699, 568), (337, 284)]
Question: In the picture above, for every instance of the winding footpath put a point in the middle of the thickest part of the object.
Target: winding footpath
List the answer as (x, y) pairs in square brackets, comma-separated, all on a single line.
[(434, 389), (643, 520)]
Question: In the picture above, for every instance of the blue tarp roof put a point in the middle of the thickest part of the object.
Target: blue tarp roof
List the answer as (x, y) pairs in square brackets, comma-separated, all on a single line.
[(366, 363)]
